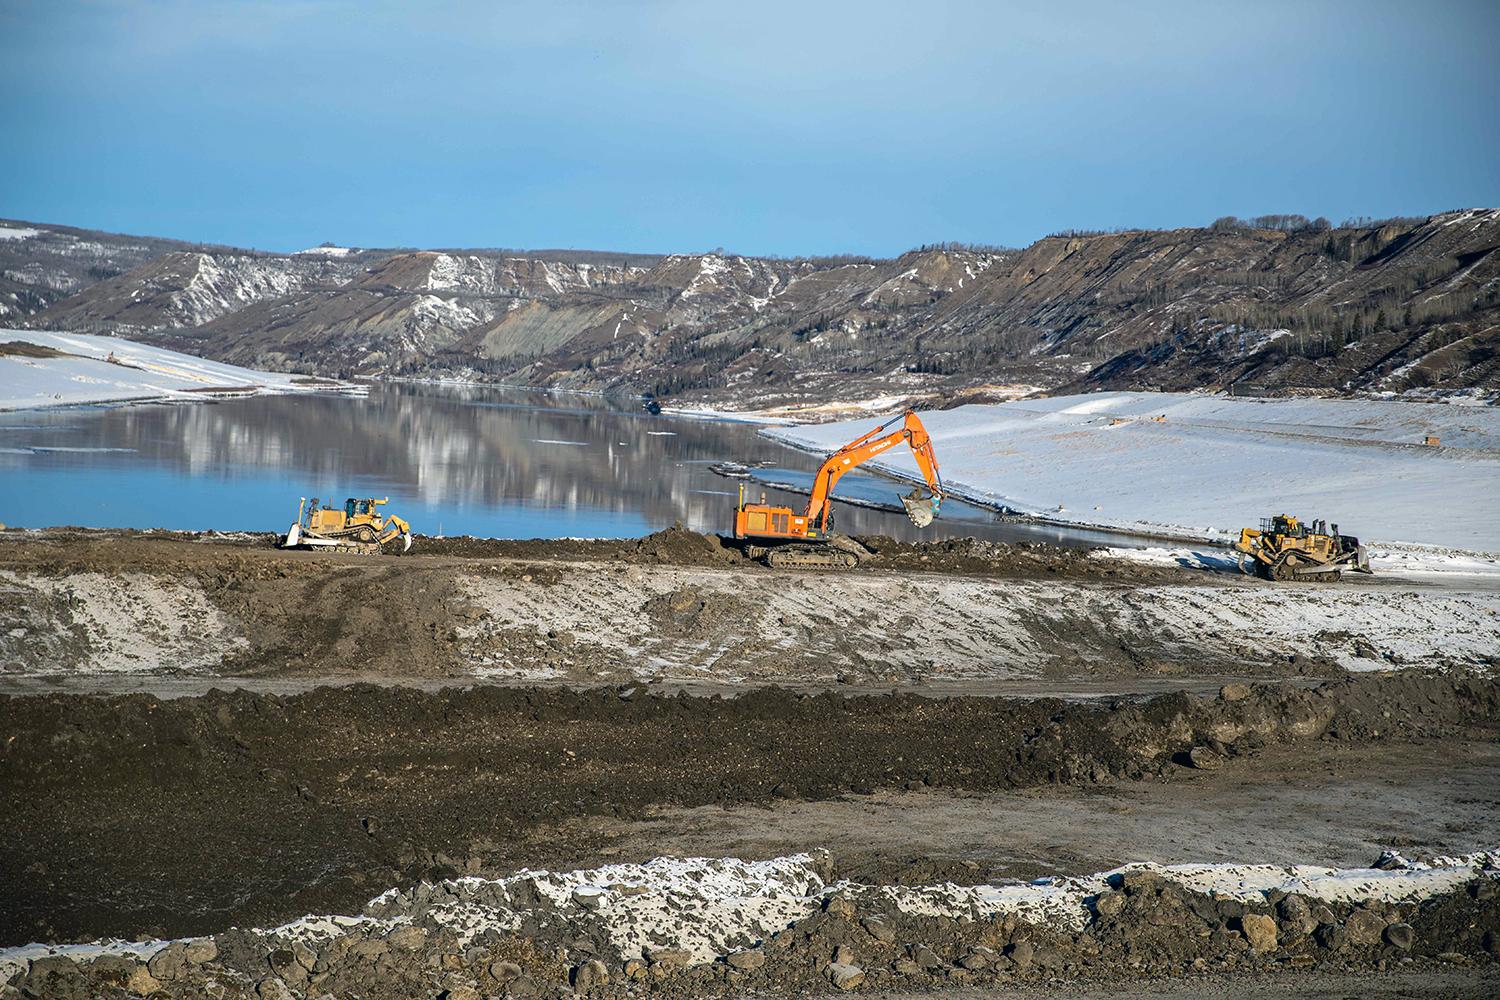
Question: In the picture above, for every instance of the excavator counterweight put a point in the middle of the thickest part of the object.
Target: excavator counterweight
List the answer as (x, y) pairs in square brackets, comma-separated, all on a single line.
[(781, 536)]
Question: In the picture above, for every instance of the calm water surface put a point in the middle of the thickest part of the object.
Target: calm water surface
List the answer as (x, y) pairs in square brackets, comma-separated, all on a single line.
[(475, 460)]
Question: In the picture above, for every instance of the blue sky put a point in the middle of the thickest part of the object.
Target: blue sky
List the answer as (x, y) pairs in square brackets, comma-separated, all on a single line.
[(767, 127)]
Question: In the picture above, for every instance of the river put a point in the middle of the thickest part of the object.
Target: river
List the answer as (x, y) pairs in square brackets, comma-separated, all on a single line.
[(454, 460)]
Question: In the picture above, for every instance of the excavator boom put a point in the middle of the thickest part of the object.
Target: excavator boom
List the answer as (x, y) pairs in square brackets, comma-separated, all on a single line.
[(920, 509), (779, 525)]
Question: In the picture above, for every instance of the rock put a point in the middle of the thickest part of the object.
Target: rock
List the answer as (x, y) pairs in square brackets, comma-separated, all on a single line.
[(200, 951), (1296, 915), (111, 969), (273, 989), (879, 930), (844, 977), (841, 906), (406, 938), (1234, 692), (1021, 953), (170, 962), (672, 958), (141, 982), (523, 987), (590, 974), (1140, 881), (1400, 936), (459, 993), (925, 958), (905, 967), (843, 955), (746, 960), (368, 949), (1204, 759), (589, 897), (1331, 936), (974, 961), (1260, 931), (504, 972), (1364, 928), (1109, 904)]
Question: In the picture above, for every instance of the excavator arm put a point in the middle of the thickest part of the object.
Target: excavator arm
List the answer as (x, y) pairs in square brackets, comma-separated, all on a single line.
[(921, 509)]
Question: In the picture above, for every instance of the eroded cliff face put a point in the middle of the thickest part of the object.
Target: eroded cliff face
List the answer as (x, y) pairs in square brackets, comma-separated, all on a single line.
[(1413, 305)]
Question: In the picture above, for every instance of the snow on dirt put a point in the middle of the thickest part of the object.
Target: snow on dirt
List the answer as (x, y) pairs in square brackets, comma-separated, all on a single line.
[(1203, 466), (703, 624), (95, 369), (709, 907), (109, 623)]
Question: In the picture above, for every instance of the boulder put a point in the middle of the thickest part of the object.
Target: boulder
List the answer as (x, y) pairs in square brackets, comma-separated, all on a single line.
[(406, 938), (1234, 692), (590, 974), (1260, 931), (1204, 759), (272, 988), (1400, 935), (747, 960), (504, 972), (1364, 928), (142, 983), (879, 930), (844, 977), (170, 962), (1109, 904), (200, 950), (1021, 953), (460, 992), (841, 906), (925, 957), (671, 958)]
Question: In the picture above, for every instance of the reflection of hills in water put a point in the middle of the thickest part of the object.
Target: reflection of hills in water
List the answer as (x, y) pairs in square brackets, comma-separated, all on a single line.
[(456, 455), (466, 459)]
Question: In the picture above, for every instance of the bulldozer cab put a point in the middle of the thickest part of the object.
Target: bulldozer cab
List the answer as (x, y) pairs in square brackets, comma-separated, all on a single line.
[(1283, 524)]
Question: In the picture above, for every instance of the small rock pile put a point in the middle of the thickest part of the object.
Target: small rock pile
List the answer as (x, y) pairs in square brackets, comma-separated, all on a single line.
[(1142, 925)]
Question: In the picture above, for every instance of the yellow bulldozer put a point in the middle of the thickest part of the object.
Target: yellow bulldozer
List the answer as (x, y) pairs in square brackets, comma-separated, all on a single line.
[(357, 526), (1284, 548)]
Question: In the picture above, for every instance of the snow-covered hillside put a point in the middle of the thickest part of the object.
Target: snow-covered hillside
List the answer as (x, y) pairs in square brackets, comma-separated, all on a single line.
[(1203, 466), (75, 368)]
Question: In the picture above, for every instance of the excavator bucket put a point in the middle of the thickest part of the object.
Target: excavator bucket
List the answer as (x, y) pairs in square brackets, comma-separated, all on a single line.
[(920, 508), (406, 541)]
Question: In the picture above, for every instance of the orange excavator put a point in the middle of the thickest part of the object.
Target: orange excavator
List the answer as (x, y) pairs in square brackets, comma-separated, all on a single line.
[(783, 538)]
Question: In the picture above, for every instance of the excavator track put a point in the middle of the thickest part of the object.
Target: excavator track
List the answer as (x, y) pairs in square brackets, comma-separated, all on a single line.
[(789, 558)]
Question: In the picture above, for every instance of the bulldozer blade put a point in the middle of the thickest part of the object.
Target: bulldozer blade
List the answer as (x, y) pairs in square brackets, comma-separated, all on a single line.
[(920, 509)]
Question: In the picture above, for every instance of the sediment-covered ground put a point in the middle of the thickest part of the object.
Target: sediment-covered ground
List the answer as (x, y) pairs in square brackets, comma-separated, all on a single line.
[(682, 608), (789, 811)]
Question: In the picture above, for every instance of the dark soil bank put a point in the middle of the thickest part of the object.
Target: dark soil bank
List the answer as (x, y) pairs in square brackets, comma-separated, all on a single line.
[(132, 816)]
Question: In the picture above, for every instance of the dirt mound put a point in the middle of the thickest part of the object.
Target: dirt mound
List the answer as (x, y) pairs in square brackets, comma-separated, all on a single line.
[(690, 613), (361, 786)]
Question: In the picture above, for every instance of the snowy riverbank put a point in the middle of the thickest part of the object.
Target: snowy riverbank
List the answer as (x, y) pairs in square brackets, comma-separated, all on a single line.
[(1203, 466), (40, 368)]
